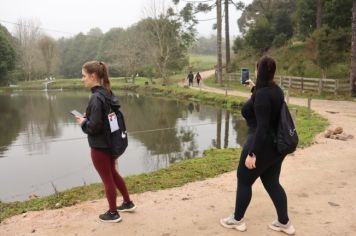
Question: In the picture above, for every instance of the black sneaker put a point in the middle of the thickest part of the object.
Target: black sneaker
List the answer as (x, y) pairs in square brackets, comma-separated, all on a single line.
[(112, 217), (127, 207)]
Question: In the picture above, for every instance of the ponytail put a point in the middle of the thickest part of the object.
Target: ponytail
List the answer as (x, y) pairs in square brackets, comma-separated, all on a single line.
[(104, 76), (101, 70)]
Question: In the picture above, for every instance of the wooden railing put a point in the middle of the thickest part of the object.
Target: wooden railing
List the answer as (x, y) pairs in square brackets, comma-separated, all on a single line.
[(312, 84)]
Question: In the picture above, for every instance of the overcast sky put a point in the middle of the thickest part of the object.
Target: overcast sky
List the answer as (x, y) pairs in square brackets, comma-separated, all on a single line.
[(73, 16)]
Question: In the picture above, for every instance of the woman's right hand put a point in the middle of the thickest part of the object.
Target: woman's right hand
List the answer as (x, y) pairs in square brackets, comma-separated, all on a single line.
[(249, 83)]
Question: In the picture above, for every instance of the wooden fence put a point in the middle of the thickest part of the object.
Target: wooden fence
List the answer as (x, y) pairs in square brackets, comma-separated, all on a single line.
[(319, 85)]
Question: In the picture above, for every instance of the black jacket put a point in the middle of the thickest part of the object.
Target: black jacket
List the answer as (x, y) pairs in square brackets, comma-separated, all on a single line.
[(262, 113), (96, 125)]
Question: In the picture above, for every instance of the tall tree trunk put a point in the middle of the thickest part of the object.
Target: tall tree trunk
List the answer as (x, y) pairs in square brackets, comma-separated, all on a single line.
[(227, 122), (227, 35), (218, 128), (218, 27), (353, 52), (319, 7)]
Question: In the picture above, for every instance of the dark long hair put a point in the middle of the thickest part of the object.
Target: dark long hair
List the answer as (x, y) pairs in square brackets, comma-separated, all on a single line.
[(101, 70), (266, 68)]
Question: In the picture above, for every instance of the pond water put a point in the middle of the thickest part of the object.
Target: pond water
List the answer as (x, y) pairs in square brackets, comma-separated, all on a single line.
[(42, 149)]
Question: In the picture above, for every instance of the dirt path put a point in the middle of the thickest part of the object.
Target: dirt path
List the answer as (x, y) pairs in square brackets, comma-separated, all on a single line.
[(320, 182)]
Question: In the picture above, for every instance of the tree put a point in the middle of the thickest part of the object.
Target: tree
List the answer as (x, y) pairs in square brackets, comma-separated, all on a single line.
[(7, 54), (282, 24), (319, 9), (108, 50), (260, 35), (48, 49), (219, 55), (327, 46), (75, 51), (337, 13), (208, 5), (27, 33), (353, 52), (227, 34), (131, 53), (169, 34), (265, 8)]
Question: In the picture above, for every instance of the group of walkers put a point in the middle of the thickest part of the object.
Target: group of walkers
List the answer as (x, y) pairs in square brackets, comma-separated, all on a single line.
[(259, 157), (190, 78)]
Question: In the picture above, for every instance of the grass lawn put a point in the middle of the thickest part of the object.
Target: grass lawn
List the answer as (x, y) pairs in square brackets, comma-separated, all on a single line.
[(202, 62)]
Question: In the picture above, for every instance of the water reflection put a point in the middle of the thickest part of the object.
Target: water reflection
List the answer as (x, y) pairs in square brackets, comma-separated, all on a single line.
[(41, 146), (10, 124)]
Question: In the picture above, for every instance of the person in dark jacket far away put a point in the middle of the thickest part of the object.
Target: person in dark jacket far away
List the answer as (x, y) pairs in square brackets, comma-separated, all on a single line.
[(95, 77), (259, 157), (190, 78), (198, 78)]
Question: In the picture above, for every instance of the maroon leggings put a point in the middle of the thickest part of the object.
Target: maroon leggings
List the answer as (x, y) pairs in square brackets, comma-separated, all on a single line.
[(105, 166)]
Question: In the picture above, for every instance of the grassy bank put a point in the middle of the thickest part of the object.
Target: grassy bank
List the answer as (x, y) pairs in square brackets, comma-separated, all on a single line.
[(292, 60), (213, 162)]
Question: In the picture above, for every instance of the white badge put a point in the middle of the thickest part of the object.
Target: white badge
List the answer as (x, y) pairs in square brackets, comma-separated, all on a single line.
[(113, 122)]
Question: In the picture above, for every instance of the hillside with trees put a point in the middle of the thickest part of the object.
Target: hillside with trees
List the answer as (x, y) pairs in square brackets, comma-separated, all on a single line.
[(307, 37)]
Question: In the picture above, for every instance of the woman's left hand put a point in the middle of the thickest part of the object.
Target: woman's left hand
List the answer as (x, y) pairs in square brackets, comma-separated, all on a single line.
[(80, 120), (250, 162)]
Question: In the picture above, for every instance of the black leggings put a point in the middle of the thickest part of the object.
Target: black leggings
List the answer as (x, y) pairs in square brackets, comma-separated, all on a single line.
[(268, 168)]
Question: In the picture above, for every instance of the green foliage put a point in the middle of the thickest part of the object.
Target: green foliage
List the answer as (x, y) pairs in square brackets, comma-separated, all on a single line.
[(337, 14), (292, 60), (282, 24), (7, 55), (266, 8), (260, 35), (279, 40), (239, 44), (306, 17), (327, 46), (74, 52)]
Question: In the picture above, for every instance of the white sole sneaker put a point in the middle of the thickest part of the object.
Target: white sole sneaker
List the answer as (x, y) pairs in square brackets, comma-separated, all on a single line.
[(289, 230), (240, 227)]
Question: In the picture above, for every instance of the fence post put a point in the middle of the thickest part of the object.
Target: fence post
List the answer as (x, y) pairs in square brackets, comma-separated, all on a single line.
[(336, 86), (287, 96), (290, 83), (320, 86), (309, 103), (280, 81), (302, 83)]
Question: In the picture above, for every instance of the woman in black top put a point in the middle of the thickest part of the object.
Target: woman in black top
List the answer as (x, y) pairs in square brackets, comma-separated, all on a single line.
[(259, 157), (95, 77)]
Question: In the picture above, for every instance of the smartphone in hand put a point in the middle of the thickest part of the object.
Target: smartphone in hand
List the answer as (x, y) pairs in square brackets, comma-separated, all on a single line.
[(245, 75), (76, 113)]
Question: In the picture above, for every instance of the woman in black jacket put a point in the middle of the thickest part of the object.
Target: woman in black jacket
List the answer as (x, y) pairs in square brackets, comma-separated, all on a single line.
[(259, 156), (95, 76)]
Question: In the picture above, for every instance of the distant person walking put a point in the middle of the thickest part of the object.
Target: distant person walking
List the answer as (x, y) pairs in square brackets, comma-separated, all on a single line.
[(190, 78), (259, 157), (198, 78), (95, 77)]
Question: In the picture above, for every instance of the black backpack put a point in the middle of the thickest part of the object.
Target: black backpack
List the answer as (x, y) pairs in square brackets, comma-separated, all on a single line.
[(286, 137), (117, 140)]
